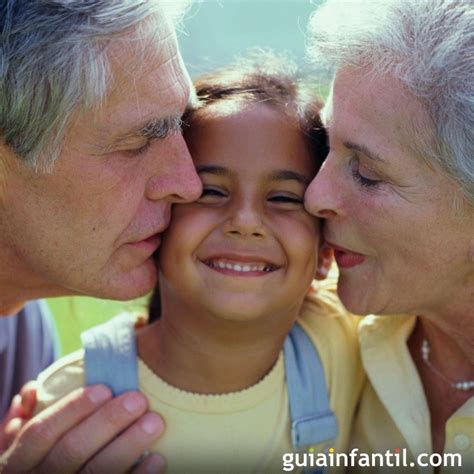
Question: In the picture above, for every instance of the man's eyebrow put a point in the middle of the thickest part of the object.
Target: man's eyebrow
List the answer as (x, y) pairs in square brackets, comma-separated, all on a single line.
[(289, 175), (361, 148), (162, 128), (158, 128)]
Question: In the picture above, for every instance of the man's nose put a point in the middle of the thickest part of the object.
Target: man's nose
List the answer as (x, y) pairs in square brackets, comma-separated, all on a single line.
[(321, 198), (177, 181)]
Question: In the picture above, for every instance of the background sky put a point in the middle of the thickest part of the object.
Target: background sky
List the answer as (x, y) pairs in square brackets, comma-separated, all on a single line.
[(217, 30)]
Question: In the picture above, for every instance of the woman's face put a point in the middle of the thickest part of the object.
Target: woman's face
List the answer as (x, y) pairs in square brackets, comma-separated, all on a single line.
[(399, 242)]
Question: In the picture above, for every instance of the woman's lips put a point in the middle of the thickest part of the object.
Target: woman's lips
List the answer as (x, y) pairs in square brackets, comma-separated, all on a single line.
[(346, 258)]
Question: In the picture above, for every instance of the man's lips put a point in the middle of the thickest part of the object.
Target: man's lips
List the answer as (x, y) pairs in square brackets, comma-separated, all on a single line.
[(345, 258), (239, 265), (148, 245)]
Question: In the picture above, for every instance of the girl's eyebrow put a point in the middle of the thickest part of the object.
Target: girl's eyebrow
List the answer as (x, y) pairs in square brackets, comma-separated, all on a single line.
[(277, 175), (214, 169), (285, 175)]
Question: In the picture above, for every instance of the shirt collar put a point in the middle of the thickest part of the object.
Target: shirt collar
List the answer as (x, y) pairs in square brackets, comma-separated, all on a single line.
[(394, 377)]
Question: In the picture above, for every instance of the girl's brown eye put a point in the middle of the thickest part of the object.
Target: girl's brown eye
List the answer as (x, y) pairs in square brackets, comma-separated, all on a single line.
[(212, 192), (284, 198)]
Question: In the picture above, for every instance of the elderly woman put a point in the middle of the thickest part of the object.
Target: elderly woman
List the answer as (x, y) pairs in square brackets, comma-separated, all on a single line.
[(397, 195)]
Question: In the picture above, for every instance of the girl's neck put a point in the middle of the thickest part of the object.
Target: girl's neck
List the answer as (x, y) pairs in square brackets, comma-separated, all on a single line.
[(209, 355)]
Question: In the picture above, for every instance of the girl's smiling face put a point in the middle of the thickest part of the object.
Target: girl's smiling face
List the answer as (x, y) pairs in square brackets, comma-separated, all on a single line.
[(247, 249)]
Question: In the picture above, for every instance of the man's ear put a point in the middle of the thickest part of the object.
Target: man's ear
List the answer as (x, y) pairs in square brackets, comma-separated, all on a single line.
[(325, 257)]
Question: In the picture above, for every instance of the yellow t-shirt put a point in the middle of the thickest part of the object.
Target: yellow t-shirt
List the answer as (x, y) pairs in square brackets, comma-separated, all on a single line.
[(246, 431), (394, 412)]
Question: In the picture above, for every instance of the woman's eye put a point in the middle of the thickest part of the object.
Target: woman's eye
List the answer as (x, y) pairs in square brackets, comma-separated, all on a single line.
[(364, 181)]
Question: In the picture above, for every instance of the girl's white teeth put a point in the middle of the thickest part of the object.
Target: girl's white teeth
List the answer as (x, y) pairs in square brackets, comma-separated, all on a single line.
[(237, 267)]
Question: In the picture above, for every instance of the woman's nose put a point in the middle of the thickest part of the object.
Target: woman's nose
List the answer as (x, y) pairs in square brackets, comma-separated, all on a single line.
[(322, 199)]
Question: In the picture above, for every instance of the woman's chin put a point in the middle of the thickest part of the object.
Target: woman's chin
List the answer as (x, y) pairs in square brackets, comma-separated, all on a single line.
[(356, 298)]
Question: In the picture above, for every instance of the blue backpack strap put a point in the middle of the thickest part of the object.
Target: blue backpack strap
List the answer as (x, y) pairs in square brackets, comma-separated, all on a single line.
[(312, 420), (110, 354)]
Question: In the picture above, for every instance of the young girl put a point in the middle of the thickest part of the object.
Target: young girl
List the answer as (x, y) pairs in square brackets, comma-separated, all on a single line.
[(235, 273)]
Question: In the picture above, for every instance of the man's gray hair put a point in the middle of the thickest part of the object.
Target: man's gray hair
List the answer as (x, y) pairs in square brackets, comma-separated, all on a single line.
[(426, 44), (53, 62)]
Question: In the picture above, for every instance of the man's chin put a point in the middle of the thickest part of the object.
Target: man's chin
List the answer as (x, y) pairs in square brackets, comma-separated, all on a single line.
[(130, 285)]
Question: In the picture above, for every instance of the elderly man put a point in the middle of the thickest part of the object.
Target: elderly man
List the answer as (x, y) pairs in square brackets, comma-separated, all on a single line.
[(91, 160)]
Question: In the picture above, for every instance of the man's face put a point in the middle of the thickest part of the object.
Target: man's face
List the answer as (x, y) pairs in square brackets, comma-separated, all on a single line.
[(92, 225)]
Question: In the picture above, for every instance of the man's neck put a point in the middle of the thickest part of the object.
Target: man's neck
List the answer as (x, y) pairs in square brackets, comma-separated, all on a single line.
[(210, 355), (18, 285), (9, 308)]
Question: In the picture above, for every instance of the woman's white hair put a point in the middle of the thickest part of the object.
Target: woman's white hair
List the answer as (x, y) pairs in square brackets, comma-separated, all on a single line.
[(53, 62), (428, 45)]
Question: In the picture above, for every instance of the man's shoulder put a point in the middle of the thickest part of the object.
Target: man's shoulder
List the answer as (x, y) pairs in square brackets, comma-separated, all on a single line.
[(34, 318), (32, 327), (33, 308)]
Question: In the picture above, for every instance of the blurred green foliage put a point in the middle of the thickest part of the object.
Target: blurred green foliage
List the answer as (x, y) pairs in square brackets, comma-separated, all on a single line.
[(73, 315)]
